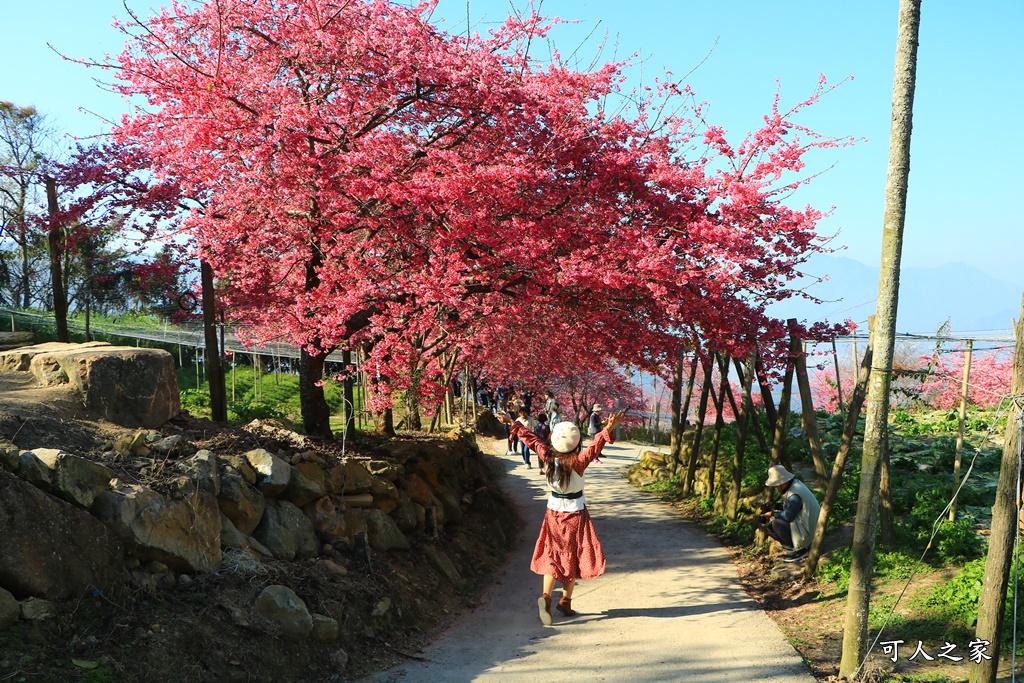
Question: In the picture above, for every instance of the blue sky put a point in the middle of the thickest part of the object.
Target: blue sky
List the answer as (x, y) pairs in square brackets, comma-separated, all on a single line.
[(967, 143)]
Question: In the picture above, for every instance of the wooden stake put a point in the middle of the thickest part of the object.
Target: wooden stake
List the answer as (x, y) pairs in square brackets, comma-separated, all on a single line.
[(810, 418), (860, 392), (742, 422), (839, 381), (960, 429), (1005, 524)]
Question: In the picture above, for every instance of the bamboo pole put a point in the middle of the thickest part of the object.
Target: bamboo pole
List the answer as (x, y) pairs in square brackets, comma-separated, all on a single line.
[(960, 429), (742, 422), (855, 629), (810, 418), (857, 396), (1005, 524)]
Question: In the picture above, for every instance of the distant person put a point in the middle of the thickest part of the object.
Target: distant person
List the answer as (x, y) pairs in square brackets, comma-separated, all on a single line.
[(567, 548), (531, 424), (501, 395), (550, 405), (526, 400), (792, 522), (543, 429), (594, 425)]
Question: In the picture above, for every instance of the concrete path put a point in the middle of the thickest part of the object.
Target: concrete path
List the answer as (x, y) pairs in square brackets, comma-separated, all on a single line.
[(669, 607)]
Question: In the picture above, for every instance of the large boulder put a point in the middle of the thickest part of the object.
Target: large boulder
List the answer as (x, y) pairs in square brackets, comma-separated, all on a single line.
[(9, 610), (19, 359), (128, 386), (50, 548), (285, 610), (241, 503), (307, 483), (382, 532), (357, 478), (489, 425), (286, 531), (272, 473), (183, 534), (73, 478), (410, 516), (15, 340), (327, 515)]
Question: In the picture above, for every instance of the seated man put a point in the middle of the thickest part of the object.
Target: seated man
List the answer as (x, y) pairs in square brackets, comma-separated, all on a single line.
[(791, 523)]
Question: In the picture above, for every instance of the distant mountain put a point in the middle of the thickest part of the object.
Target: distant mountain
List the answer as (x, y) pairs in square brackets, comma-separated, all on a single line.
[(970, 298)]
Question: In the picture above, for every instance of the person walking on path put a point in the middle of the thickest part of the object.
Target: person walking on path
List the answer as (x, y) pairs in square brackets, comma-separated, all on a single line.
[(792, 524), (594, 426), (543, 429), (550, 407), (567, 548), (531, 424)]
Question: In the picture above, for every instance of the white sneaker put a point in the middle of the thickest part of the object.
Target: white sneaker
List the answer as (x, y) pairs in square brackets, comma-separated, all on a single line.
[(510, 453)]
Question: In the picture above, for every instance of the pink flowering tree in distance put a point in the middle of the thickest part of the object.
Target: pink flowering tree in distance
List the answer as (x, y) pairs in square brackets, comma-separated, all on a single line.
[(360, 179)]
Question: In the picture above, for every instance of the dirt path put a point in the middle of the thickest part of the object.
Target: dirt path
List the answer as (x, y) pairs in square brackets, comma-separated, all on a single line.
[(669, 608)]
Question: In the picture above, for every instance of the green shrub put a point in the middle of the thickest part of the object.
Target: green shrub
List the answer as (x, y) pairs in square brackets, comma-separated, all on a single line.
[(956, 542), (836, 569), (957, 599)]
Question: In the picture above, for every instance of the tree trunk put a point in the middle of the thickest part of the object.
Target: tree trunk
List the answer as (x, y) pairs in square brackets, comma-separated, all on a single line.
[(855, 632), (214, 363), (350, 397), (753, 423), (384, 422), (810, 418), (675, 438), (779, 455), (999, 562), (316, 415), (886, 511), (742, 421), (60, 296), (685, 412), (766, 393), (698, 432), (860, 391), (716, 442)]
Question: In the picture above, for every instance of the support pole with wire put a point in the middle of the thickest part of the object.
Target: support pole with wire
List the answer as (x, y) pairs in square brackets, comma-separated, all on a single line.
[(1005, 519)]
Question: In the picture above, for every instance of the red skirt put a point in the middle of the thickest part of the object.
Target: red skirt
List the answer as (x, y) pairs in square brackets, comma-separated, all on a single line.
[(567, 547)]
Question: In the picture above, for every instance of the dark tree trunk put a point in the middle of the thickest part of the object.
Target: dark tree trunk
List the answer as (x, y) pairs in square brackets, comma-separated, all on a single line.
[(350, 399), (766, 393), (384, 422), (214, 363), (716, 442), (60, 296), (698, 432), (675, 436), (316, 414)]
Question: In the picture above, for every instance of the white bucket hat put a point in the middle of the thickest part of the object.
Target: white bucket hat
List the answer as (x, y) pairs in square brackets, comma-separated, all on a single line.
[(778, 475), (565, 437), (597, 408)]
